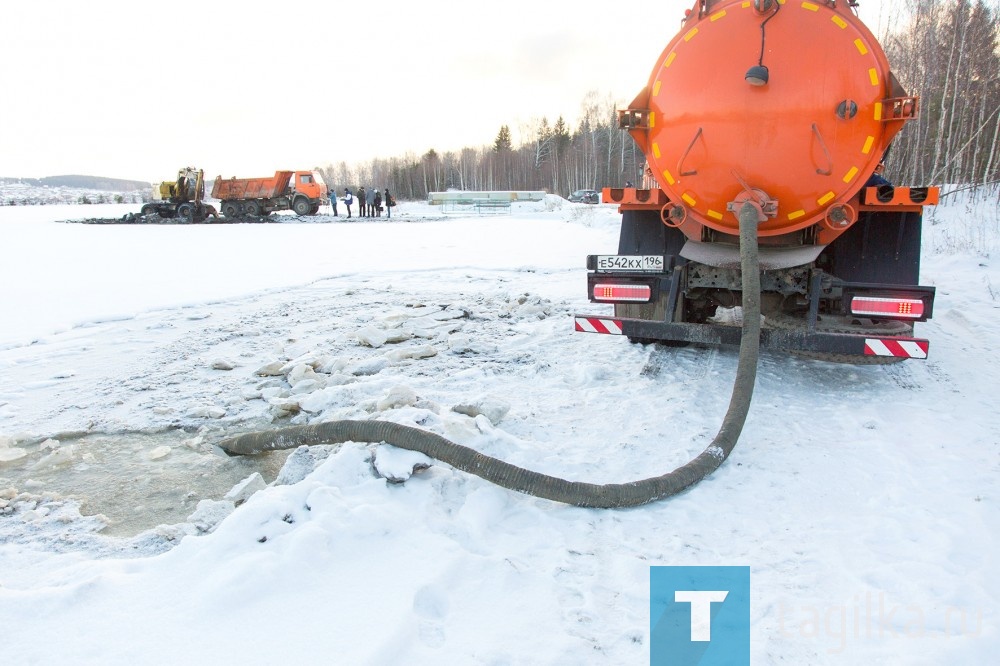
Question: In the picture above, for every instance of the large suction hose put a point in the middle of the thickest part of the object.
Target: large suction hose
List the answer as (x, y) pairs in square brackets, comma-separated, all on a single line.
[(611, 495)]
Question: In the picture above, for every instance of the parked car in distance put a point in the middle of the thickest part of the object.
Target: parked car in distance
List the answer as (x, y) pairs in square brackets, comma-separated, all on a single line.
[(585, 196)]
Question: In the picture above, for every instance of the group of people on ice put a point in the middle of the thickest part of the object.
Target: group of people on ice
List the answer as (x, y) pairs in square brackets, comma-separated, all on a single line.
[(369, 202)]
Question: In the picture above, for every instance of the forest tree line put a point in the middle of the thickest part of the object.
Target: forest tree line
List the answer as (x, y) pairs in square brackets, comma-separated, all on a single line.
[(947, 52), (551, 156), (949, 55)]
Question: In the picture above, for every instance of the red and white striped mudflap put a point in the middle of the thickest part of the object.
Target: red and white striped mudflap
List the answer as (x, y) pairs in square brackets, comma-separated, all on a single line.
[(598, 325), (896, 347)]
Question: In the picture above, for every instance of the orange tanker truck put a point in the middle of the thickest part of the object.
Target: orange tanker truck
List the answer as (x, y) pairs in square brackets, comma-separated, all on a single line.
[(300, 191), (790, 107)]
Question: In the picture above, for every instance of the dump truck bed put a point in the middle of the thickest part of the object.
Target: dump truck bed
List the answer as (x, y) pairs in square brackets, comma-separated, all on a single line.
[(251, 188)]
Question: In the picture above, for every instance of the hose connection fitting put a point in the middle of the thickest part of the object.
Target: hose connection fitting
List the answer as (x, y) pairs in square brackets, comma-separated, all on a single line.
[(840, 216), (766, 206), (673, 215)]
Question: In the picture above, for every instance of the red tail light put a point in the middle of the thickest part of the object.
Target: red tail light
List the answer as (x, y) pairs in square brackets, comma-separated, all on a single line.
[(637, 293), (897, 308)]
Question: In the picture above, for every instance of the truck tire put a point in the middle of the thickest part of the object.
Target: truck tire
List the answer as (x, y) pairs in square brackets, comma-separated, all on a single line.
[(302, 206), (185, 212), (148, 209), (252, 207), (230, 209)]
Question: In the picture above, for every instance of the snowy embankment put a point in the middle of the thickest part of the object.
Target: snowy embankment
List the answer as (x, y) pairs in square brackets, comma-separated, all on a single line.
[(862, 498)]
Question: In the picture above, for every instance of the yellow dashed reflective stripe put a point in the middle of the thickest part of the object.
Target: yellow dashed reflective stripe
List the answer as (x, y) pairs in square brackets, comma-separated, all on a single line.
[(851, 174), (810, 6), (656, 150), (841, 23), (690, 34), (796, 215), (869, 142), (745, 5), (717, 15), (670, 179), (715, 215), (689, 199), (656, 88), (670, 59), (878, 110), (873, 75), (652, 119), (825, 198), (862, 49)]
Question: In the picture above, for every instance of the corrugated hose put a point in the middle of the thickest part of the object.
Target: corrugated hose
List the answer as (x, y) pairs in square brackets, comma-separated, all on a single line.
[(578, 493)]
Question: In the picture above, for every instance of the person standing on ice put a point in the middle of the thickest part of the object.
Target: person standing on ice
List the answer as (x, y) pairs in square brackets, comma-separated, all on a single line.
[(378, 203), (348, 200), (389, 203), (333, 200), (370, 199), (361, 202)]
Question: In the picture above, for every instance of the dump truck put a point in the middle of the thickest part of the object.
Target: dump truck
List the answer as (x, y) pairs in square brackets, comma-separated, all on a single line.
[(181, 198), (300, 191)]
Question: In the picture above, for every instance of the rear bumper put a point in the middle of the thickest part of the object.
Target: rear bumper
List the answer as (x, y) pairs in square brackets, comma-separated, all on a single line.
[(779, 339)]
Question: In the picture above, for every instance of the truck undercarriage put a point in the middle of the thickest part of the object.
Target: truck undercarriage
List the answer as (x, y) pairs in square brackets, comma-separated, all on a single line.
[(854, 300)]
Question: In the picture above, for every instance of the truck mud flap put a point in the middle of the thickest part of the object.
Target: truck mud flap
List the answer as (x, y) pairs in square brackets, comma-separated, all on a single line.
[(718, 334)]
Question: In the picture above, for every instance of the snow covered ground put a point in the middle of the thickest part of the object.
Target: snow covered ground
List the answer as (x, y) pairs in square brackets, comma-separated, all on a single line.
[(863, 498)]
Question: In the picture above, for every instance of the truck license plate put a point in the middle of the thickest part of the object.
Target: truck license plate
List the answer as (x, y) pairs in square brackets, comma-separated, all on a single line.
[(619, 262)]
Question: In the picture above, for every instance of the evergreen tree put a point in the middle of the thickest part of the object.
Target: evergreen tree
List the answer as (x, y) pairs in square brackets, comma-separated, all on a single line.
[(502, 144)]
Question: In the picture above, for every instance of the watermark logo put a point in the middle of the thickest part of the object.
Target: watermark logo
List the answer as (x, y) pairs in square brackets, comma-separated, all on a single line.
[(873, 616), (699, 616)]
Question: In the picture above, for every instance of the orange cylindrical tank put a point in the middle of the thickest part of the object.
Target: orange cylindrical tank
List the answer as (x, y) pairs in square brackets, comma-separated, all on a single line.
[(808, 138)]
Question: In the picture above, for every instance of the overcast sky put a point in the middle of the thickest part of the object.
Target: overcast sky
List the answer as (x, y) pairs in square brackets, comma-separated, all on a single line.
[(137, 89)]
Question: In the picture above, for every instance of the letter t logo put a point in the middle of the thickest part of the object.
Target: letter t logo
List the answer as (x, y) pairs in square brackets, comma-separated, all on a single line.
[(701, 610)]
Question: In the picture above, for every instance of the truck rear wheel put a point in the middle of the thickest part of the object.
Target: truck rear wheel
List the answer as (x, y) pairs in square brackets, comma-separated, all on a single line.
[(302, 206), (230, 209), (252, 207)]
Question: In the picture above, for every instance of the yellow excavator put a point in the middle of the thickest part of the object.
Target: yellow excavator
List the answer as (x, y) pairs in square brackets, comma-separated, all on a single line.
[(182, 198)]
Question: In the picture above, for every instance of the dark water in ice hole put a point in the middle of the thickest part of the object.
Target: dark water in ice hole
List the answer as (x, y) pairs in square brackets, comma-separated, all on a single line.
[(116, 475)]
